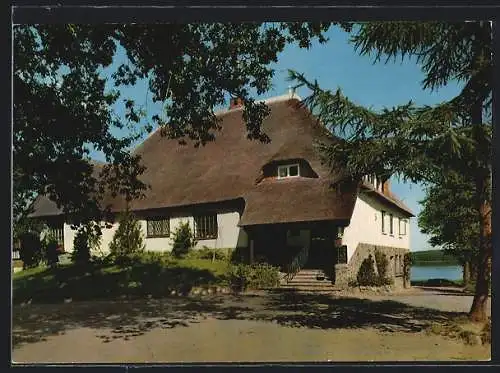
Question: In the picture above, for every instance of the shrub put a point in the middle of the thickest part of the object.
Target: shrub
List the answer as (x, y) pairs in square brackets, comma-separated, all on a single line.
[(407, 261), (50, 250), (163, 259), (183, 240), (366, 273), (31, 249), (128, 239), (81, 249), (87, 238), (210, 253), (255, 276), (382, 263)]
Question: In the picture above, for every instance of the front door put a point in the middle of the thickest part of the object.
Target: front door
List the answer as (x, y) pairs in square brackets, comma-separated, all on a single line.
[(316, 253)]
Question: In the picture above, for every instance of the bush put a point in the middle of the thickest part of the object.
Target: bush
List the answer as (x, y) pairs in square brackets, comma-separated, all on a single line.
[(209, 253), (366, 273), (50, 251), (31, 249), (255, 276), (128, 239), (163, 259), (87, 238), (407, 262), (382, 264), (81, 249), (183, 240)]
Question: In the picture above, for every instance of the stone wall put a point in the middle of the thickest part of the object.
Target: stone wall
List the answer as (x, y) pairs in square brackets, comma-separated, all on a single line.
[(344, 274)]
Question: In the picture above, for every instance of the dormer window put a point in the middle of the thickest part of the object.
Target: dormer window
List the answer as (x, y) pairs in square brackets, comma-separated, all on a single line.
[(288, 170)]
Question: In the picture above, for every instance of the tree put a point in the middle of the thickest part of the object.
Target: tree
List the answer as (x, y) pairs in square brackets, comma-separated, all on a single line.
[(366, 274), (51, 253), (63, 103), (183, 240), (450, 218), (87, 237), (128, 238), (30, 250), (421, 144)]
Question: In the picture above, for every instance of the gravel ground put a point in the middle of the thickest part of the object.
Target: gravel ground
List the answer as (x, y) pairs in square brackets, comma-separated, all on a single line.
[(265, 327)]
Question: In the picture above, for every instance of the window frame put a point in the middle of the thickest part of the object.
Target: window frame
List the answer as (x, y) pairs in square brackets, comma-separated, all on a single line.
[(287, 167), (150, 234), (206, 223), (391, 225)]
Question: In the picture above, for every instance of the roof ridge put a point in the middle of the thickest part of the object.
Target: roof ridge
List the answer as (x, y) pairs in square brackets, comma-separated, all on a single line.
[(223, 112)]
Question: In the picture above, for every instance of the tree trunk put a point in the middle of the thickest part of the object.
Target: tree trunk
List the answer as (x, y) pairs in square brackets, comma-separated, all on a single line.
[(466, 273), (483, 180), (478, 309)]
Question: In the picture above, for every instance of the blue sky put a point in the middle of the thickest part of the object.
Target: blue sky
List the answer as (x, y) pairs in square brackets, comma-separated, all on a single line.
[(336, 64)]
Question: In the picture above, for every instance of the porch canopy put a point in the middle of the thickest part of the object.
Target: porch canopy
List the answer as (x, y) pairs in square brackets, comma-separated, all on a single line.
[(297, 200)]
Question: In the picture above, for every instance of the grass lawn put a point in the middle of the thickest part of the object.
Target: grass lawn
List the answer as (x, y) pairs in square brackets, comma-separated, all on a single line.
[(104, 281)]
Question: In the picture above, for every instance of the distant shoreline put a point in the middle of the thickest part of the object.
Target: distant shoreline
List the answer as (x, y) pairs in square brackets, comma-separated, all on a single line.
[(435, 264), (433, 258)]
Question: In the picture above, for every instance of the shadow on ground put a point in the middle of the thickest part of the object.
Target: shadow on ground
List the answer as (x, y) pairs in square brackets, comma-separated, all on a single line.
[(445, 291), (85, 283), (123, 319)]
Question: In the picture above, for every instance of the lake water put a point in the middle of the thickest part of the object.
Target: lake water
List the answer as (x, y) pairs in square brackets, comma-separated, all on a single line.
[(449, 272)]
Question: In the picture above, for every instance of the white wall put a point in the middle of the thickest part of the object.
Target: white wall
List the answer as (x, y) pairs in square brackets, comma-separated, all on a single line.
[(107, 237), (366, 226), (229, 235)]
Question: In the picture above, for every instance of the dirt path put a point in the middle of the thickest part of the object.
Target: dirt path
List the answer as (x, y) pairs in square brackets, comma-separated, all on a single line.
[(272, 327)]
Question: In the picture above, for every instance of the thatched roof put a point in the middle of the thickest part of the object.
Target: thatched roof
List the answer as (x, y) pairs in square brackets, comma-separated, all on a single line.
[(229, 168)]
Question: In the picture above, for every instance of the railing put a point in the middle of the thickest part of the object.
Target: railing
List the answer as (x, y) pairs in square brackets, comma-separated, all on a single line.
[(297, 263)]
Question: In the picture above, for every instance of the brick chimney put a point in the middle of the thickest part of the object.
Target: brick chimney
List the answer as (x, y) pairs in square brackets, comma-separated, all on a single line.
[(235, 103)]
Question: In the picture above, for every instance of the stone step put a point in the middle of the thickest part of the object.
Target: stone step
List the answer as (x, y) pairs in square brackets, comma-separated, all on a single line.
[(311, 289), (309, 279), (310, 283)]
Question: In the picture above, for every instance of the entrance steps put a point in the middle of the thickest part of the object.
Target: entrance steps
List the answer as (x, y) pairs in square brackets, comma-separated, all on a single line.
[(309, 280)]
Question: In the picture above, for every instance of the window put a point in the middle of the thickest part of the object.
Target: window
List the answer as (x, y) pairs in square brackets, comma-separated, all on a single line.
[(158, 227), (391, 225), (290, 170), (402, 227), (383, 223), (294, 233), (205, 226), (58, 233)]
